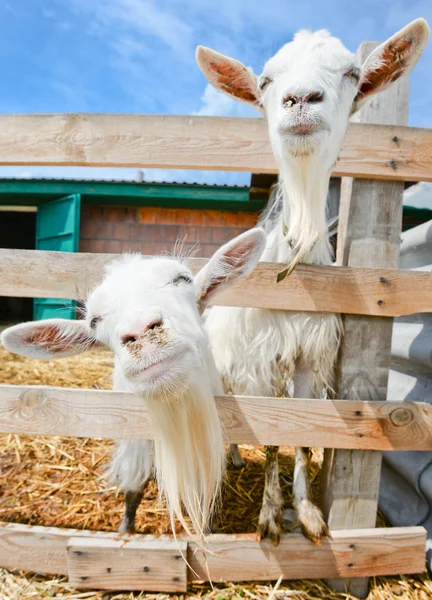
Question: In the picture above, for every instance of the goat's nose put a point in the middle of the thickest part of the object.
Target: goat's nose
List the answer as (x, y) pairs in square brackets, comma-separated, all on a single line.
[(130, 338), (311, 98)]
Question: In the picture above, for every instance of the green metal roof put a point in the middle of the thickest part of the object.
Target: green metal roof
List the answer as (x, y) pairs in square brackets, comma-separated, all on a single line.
[(31, 192)]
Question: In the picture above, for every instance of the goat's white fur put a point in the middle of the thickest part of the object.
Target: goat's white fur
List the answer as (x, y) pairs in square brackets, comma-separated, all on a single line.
[(171, 367), (259, 352)]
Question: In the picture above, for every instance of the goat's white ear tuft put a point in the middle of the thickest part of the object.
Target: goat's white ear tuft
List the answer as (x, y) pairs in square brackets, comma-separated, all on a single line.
[(228, 75), (234, 260), (52, 338), (391, 60)]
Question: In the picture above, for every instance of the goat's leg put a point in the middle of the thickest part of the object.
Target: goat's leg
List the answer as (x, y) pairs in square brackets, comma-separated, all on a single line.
[(309, 515), (236, 458), (132, 501), (270, 519), (130, 470)]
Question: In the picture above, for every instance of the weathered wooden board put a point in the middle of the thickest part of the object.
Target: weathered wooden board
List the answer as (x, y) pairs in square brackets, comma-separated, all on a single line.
[(249, 420), (369, 236), (136, 564), (349, 553), (193, 142), (236, 557), (377, 292)]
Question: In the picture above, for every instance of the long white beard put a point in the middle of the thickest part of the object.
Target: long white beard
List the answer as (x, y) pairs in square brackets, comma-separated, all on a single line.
[(189, 455)]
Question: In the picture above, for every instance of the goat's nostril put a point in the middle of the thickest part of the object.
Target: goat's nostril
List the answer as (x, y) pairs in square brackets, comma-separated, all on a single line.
[(289, 100), (154, 324), (128, 339), (313, 97)]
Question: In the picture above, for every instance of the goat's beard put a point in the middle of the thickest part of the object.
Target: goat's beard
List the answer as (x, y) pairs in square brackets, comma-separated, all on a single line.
[(189, 455), (304, 190)]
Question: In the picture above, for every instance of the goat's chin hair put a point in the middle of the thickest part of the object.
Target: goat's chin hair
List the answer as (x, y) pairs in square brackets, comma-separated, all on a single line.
[(299, 147), (189, 455), (308, 146)]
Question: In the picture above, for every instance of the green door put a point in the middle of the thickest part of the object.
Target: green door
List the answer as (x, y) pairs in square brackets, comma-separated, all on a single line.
[(57, 228)]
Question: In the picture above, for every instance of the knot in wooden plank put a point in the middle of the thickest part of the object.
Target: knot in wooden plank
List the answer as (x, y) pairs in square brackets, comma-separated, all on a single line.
[(32, 399), (401, 416)]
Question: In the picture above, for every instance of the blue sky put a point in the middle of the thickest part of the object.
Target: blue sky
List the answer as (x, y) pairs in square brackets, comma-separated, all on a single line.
[(138, 56)]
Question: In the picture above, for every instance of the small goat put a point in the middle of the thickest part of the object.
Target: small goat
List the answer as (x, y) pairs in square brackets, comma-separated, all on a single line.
[(147, 310), (307, 91)]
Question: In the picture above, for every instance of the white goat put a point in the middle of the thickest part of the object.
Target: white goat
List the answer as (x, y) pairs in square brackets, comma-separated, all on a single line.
[(147, 310), (307, 91)]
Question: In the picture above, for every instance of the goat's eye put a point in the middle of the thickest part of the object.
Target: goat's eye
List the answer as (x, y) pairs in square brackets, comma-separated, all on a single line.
[(181, 278), (354, 76), (94, 322), (263, 83)]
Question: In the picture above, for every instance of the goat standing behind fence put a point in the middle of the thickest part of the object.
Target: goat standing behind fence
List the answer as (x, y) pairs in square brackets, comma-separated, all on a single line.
[(307, 92)]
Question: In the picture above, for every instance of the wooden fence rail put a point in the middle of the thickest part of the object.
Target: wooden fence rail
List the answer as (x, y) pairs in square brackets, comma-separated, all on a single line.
[(375, 292), (186, 142), (112, 561), (247, 420)]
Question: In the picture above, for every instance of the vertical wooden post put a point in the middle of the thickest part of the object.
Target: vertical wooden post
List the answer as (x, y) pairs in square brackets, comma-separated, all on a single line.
[(369, 236)]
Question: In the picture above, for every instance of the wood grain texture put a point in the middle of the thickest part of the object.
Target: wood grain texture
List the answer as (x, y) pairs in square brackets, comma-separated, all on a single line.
[(349, 553), (136, 564), (370, 228), (378, 292), (193, 142), (247, 420), (236, 557)]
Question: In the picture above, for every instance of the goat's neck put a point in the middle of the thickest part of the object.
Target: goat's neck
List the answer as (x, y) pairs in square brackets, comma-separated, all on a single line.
[(305, 183)]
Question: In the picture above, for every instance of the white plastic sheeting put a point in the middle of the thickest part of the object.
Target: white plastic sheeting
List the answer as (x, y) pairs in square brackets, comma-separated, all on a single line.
[(406, 481)]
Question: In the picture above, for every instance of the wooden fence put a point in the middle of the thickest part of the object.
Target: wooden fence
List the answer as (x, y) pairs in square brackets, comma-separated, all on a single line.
[(367, 287)]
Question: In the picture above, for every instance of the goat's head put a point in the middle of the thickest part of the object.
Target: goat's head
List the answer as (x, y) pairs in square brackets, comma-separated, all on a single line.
[(309, 88), (147, 310)]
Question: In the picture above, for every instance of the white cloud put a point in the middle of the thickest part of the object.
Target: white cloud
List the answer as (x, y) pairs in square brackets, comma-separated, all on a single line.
[(143, 17), (419, 196), (217, 104)]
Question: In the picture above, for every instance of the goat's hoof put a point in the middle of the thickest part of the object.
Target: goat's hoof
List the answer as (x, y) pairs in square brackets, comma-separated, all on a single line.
[(270, 522), (312, 522), (270, 518), (270, 530), (236, 458), (126, 527), (238, 463)]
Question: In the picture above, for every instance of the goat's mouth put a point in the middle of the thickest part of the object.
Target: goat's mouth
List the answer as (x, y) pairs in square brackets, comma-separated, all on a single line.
[(302, 130), (151, 368)]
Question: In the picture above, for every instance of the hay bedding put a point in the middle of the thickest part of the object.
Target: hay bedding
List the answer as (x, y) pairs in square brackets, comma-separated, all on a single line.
[(59, 482)]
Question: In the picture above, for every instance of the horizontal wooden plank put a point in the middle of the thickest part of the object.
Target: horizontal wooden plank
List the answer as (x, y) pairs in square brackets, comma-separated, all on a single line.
[(237, 557), (350, 553), (194, 142), (378, 292), (247, 420), (137, 564)]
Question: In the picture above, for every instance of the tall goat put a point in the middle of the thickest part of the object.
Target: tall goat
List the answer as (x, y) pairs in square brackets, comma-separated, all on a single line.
[(307, 91), (147, 310)]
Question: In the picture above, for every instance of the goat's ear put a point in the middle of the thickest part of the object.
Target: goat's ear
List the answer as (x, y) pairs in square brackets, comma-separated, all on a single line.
[(228, 75), (230, 263), (52, 338), (391, 60)]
